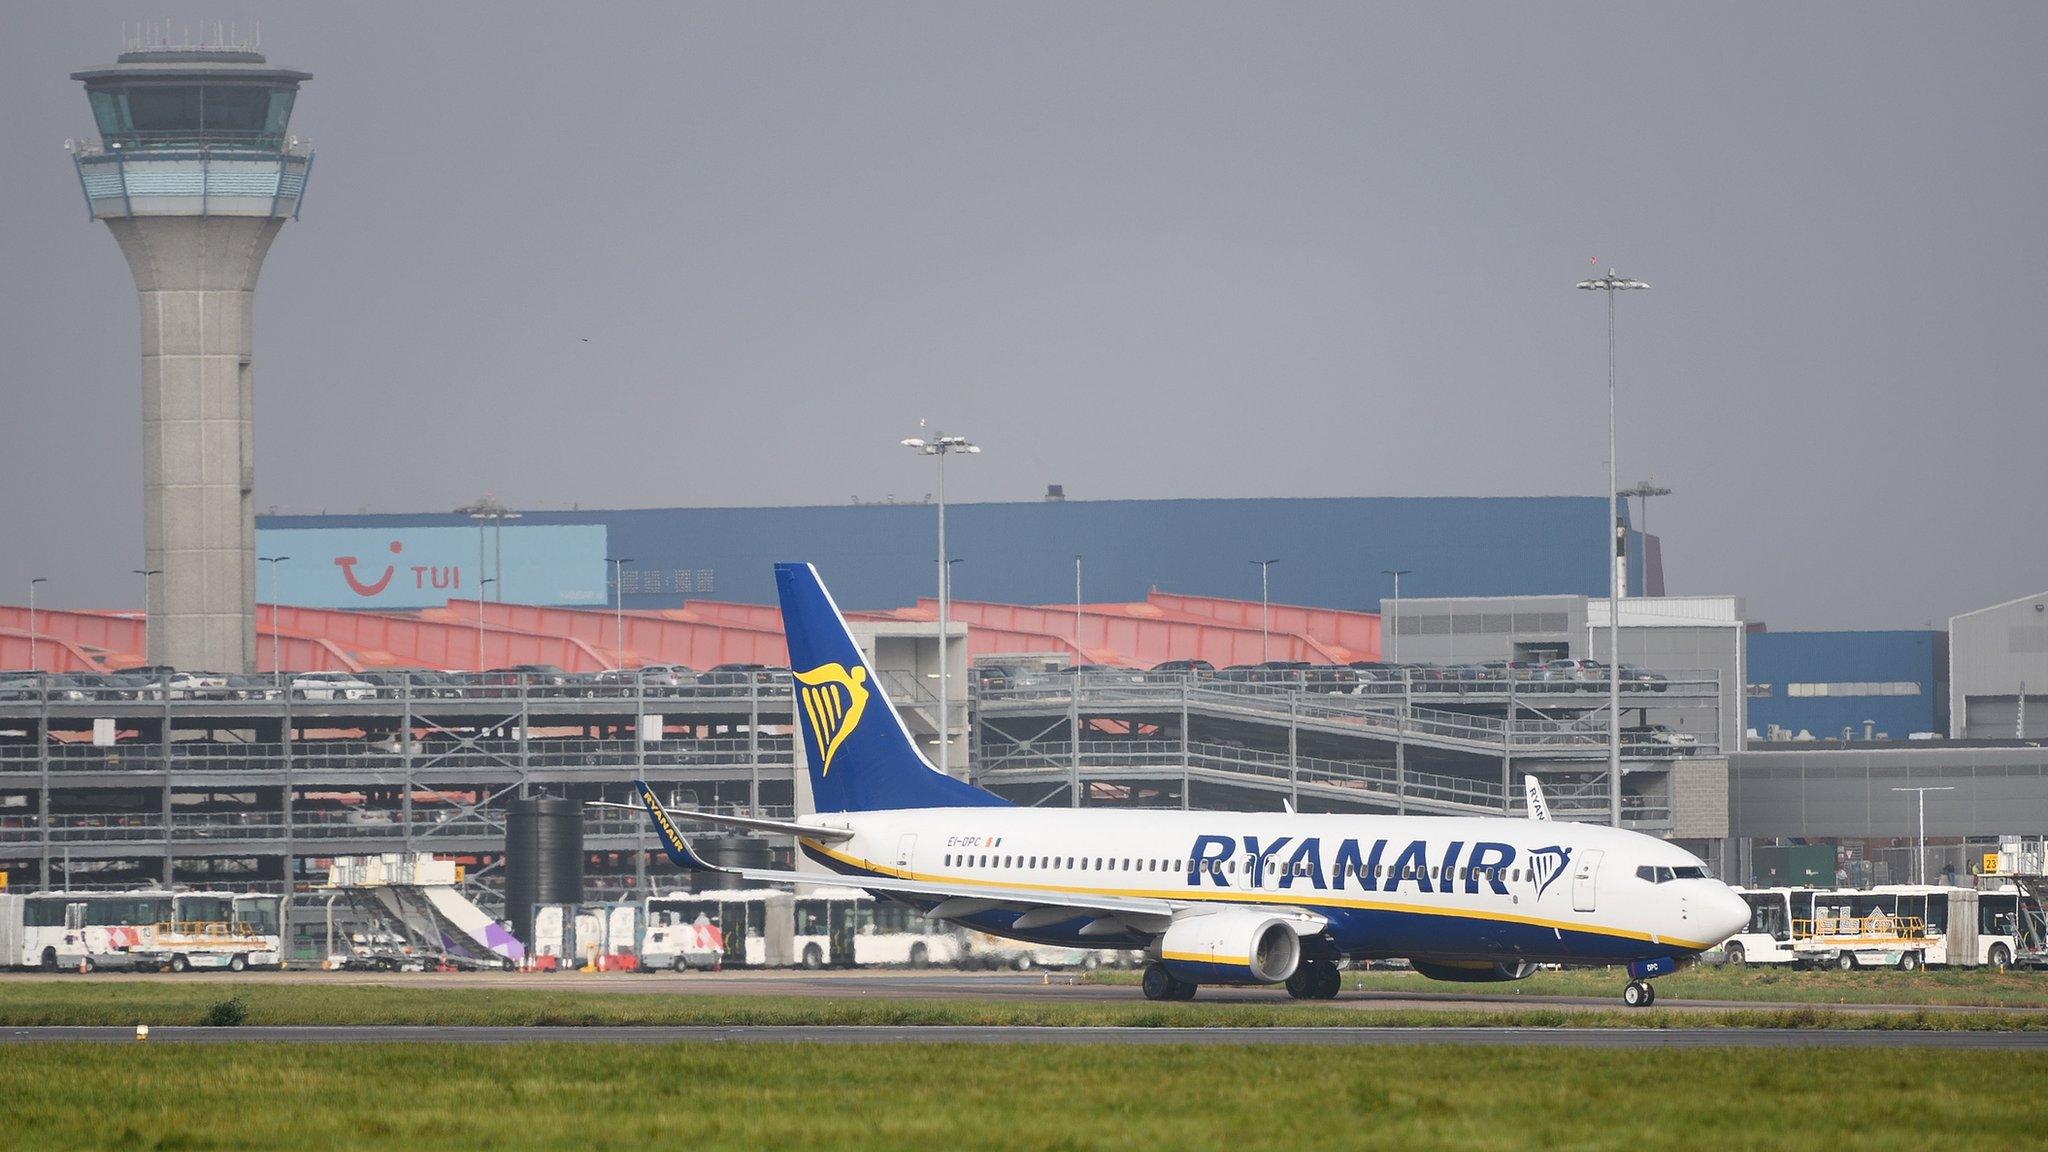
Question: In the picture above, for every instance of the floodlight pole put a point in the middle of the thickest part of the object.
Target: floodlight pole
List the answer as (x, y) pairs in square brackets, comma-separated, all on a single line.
[(1615, 548), (940, 447), (618, 564), (276, 665), (1920, 851), (1396, 573), (1265, 611), (1077, 603), (482, 589), (33, 666), (148, 657), (489, 508)]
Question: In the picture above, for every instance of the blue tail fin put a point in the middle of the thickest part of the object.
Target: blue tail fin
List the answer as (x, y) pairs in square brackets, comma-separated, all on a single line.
[(861, 756)]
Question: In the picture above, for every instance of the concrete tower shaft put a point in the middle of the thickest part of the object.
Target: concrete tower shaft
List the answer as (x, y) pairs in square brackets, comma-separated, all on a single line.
[(195, 173), (197, 280)]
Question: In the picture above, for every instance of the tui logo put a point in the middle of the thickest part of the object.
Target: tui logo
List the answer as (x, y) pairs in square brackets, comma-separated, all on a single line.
[(356, 584), (833, 700)]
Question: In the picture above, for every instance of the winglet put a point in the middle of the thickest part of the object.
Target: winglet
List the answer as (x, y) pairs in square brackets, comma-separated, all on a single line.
[(672, 842), (1532, 792)]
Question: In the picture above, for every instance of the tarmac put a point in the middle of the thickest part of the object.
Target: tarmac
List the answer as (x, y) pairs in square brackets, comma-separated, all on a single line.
[(1633, 1038)]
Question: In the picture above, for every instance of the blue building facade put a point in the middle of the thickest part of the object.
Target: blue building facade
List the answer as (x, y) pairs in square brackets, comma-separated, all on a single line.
[(1870, 683), (1331, 552)]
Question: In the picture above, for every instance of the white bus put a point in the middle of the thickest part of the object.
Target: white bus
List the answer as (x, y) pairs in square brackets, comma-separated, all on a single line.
[(1768, 939), (1892, 925), (59, 931), (770, 927)]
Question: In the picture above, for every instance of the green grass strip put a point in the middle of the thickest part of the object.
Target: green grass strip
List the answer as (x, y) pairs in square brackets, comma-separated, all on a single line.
[(705, 1097), (192, 1002)]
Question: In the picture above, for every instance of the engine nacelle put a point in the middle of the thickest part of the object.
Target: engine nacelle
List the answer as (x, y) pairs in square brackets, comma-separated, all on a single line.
[(1473, 971), (1231, 946)]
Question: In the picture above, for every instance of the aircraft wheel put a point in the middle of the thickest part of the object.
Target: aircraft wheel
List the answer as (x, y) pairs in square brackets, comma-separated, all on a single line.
[(1158, 983), (1184, 990), (1302, 983), (1637, 994), (1328, 982)]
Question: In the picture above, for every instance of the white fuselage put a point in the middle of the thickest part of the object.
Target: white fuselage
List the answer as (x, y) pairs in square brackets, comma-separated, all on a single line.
[(1466, 888)]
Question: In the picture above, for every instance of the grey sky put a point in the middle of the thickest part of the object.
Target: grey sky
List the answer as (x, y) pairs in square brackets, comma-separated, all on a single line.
[(729, 254)]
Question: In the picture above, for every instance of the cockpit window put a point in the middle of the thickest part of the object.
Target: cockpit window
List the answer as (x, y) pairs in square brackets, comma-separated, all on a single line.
[(1690, 872), (1660, 875)]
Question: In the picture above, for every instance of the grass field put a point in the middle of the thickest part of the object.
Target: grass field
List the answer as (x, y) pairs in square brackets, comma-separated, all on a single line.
[(954, 1096), (1948, 986), (129, 1002)]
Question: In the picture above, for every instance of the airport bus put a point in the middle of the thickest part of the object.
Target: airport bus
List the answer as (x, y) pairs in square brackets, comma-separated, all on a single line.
[(60, 931), (1891, 925), (826, 926)]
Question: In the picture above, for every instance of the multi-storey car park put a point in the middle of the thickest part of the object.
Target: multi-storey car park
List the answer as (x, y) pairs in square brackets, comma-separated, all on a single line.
[(259, 786)]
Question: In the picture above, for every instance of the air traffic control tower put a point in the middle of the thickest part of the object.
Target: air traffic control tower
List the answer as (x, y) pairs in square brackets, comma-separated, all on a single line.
[(195, 171)]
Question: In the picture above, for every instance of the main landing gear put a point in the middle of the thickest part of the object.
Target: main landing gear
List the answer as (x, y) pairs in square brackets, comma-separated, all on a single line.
[(1159, 984), (1639, 994), (1314, 980)]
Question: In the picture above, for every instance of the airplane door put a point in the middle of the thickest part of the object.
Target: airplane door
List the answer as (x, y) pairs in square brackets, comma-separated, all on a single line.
[(1586, 881), (906, 848)]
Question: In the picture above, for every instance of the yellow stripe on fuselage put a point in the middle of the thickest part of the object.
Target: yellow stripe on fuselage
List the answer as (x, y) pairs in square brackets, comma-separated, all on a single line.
[(1324, 899)]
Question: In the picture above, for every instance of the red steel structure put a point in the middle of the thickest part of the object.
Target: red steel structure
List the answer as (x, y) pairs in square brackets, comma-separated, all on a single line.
[(704, 633)]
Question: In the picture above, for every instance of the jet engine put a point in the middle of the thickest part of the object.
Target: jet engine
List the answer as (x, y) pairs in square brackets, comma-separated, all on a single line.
[(1230, 946), (1473, 971)]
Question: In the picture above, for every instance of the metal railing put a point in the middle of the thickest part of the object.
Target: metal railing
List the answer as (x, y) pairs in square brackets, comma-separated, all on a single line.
[(1368, 714), (425, 691), (315, 757), (1096, 755)]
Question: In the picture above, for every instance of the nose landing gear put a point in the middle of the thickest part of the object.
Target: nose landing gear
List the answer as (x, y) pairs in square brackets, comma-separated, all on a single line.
[(1639, 994)]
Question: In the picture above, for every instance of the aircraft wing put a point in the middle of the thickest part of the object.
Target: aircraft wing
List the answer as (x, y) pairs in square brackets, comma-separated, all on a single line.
[(752, 823), (955, 899)]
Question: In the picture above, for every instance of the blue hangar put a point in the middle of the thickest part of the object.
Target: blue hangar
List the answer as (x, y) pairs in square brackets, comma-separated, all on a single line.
[(1331, 551)]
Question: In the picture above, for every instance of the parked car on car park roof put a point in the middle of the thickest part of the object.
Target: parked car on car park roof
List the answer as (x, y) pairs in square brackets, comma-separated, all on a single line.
[(332, 686)]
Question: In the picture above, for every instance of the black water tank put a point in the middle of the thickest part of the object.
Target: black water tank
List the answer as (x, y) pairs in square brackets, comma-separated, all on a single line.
[(734, 852), (543, 858)]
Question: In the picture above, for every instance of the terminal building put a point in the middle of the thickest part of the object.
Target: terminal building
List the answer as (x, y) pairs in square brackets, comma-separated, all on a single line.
[(1890, 685), (1330, 552), (261, 784), (1999, 667)]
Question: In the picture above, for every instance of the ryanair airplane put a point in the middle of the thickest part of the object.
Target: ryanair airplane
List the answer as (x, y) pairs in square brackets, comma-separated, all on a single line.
[(1212, 897)]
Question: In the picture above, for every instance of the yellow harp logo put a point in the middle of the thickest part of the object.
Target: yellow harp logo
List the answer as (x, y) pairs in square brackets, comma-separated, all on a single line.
[(833, 700)]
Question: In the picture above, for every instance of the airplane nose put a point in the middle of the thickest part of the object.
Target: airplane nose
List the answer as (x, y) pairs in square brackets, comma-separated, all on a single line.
[(1727, 912)]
